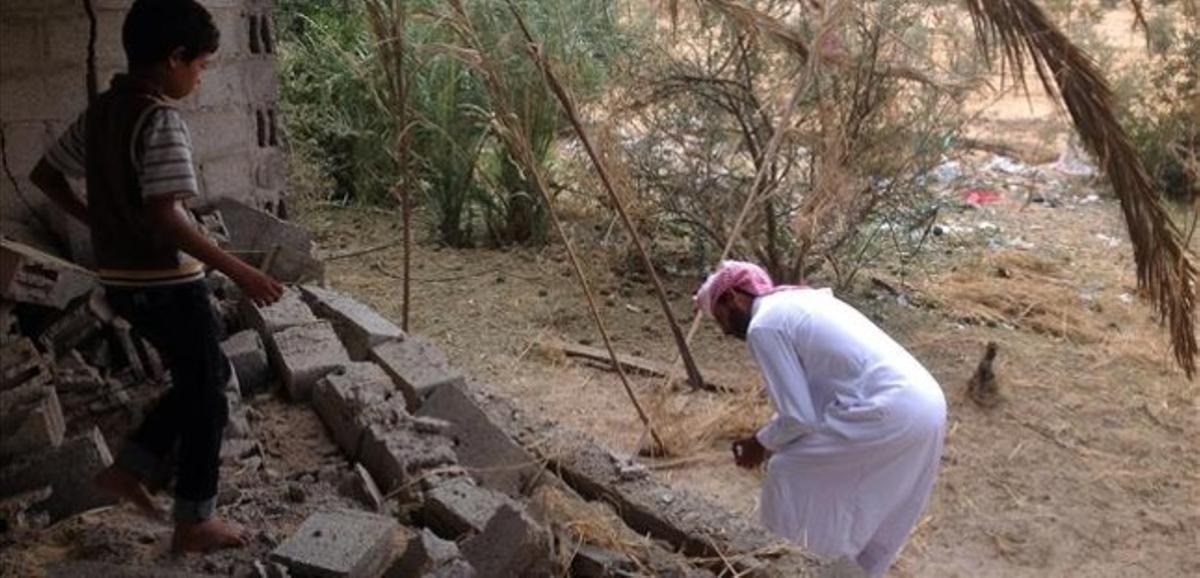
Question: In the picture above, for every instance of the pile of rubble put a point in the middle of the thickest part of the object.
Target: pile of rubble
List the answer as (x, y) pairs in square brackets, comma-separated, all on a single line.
[(445, 480)]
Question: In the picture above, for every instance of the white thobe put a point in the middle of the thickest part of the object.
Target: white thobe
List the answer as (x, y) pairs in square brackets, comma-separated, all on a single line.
[(858, 429)]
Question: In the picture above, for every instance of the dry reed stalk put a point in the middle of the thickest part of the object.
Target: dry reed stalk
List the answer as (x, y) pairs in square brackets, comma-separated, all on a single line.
[(567, 103), (508, 127), (1021, 32)]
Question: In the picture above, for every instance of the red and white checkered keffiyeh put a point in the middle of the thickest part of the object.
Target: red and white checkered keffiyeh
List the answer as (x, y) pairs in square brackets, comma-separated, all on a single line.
[(735, 275)]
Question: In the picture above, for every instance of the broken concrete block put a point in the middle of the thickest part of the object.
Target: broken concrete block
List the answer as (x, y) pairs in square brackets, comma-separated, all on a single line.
[(416, 365), (289, 311), (351, 398), (359, 485), (248, 355), (68, 469), (396, 457), (21, 363), (458, 506), (359, 326), (9, 331), (73, 373), (123, 331), (291, 266), (304, 354), (454, 569), (512, 544), (73, 327), (254, 230), (28, 275), (31, 419), (425, 552), (494, 459), (339, 543)]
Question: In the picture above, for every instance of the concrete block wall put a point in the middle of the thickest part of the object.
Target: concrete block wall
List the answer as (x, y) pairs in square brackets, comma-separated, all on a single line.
[(233, 116)]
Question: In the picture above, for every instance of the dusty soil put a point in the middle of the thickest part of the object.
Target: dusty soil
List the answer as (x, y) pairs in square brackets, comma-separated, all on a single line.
[(1089, 467)]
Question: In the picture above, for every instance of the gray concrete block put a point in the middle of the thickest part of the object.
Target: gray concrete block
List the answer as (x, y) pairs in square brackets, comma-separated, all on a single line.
[(304, 354), (351, 398), (458, 507), (339, 544), (20, 46), (261, 80), (424, 553), (24, 98), (254, 230), (290, 311), (397, 457), (21, 363), (28, 275), (359, 326), (595, 562), (219, 132), (31, 420), (417, 367), (359, 485), (512, 544), (68, 470), (492, 457), (24, 144), (225, 174), (248, 355), (454, 569)]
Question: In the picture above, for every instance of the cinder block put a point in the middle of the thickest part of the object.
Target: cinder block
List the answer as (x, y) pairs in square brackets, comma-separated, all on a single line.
[(221, 131), (28, 275), (30, 420), (493, 458), (225, 176), (339, 544), (397, 457), (305, 354), (248, 355), (68, 469), (253, 230), (351, 398), (359, 485), (221, 85), (24, 144), (458, 507), (417, 367), (67, 39), (22, 364), (261, 79), (270, 169), (359, 326), (290, 311), (512, 544), (66, 92), (424, 553)]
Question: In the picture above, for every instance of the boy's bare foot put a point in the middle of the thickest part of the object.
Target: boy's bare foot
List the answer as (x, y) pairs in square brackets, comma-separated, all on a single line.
[(128, 487), (211, 534)]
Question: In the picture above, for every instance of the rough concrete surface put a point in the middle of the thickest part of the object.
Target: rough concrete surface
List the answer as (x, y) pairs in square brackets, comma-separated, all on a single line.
[(511, 544), (458, 506), (248, 355), (396, 457), (305, 354), (416, 365), (31, 419), (68, 469), (28, 275), (351, 398), (339, 543), (492, 457), (289, 311), (359, 326)]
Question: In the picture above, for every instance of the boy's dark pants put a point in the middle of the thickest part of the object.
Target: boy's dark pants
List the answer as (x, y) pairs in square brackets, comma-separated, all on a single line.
[(180, 323)]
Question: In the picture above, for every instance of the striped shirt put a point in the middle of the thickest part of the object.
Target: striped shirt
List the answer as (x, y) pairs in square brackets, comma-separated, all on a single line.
[(162, 159), (162, 156)]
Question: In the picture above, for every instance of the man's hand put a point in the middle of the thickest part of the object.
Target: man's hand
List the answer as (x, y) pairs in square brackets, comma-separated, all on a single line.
[(257, 286), (748, 453)]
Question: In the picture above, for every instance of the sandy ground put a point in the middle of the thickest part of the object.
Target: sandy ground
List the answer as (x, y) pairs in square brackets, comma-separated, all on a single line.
[(1090, 467)]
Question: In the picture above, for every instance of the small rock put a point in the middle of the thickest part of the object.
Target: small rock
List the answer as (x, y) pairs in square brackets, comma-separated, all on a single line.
[(296, 494)]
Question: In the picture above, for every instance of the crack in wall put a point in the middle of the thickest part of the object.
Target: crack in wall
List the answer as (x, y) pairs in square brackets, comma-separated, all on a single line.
[(92, 85), (40, 218)]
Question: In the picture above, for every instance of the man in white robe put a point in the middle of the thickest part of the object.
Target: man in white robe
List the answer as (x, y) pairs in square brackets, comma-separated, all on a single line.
[(857, 436)]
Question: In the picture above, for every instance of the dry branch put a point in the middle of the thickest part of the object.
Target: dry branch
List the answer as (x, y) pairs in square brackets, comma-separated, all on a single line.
[(1019, 30), (568, 106)]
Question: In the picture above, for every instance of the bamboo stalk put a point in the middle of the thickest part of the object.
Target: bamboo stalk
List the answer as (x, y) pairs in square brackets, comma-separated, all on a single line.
[(568, 106), (513, 136)]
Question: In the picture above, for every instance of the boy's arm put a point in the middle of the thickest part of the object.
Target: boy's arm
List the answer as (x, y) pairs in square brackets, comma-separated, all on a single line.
[(166, 215), (52, 182)]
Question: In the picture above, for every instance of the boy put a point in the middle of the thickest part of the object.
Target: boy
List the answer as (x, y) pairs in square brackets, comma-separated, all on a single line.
[(135, 152)]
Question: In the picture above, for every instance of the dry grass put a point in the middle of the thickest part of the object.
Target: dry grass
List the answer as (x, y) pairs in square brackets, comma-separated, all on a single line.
[(690, 424), (590, 523)]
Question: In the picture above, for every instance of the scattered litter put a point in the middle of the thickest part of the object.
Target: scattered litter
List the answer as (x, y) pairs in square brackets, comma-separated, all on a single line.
[(987, 226), (1006, 165), (1126, 298), (1074, 162), (980, 197), (948, 172), (1090, 199), (1108, 241)]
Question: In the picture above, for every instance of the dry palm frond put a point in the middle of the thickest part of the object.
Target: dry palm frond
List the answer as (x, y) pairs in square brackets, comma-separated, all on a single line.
[(758, 22), (1020, 30)]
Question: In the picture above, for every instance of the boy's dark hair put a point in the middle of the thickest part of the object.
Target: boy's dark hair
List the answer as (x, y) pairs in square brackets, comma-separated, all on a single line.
[(155, 28)]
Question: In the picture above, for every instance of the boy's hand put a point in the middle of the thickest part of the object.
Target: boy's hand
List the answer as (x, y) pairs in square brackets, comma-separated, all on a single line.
[(749, 453), (258, 287)]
